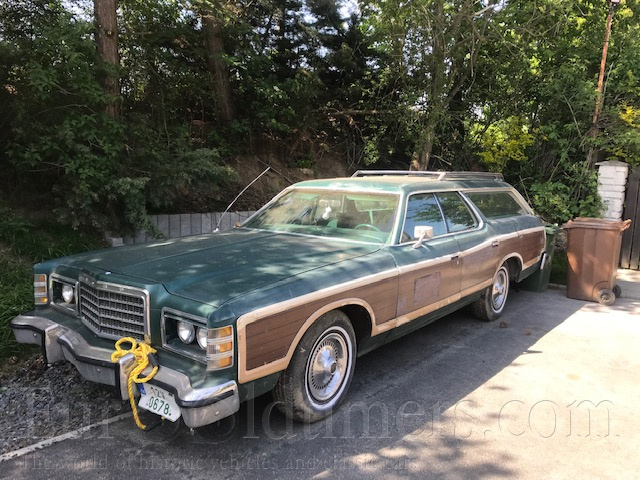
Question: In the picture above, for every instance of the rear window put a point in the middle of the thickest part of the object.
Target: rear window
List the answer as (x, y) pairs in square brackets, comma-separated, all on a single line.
[(497, 204)]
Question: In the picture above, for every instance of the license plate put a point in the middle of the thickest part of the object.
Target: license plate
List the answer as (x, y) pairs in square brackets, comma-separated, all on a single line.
[(158, 401)]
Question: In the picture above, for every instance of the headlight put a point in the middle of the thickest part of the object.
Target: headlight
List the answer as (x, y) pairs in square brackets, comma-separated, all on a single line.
[(202, 337), (63, 292), (186, 332), (189, 336), (68, 293)]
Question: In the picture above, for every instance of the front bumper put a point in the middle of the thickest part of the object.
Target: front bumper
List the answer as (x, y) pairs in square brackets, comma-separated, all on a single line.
[(199, 406)]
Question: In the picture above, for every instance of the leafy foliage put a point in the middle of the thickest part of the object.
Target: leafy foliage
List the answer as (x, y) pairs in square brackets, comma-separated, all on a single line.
[(446, 84)]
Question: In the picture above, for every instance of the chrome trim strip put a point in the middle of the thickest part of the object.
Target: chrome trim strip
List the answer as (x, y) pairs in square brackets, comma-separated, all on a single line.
[(185, 315), (432, 262)]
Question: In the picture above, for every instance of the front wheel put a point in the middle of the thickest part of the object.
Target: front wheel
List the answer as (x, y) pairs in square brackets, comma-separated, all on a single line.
[(490, 306), (606, 297), (320, 371)]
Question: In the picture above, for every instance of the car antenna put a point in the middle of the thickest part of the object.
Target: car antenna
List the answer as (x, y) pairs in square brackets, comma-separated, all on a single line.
[(237, 197)]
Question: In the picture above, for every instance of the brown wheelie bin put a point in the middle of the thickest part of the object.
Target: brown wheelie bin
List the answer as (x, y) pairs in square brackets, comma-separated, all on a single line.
[(593, 250)]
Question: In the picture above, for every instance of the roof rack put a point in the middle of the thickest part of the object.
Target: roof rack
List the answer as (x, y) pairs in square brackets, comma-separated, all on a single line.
[(433, 175)]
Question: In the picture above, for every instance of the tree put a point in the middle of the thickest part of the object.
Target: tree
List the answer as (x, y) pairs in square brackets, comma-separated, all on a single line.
[(215, 14), (433, 47), (105, 12)]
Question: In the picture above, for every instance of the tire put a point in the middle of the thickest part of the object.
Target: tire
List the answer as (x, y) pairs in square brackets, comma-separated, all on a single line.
[(490, 306), (606, 297), (317, 379), (617, 291)]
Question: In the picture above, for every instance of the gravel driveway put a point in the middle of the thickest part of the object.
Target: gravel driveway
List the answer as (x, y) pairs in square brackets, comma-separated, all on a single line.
[(37, 403)]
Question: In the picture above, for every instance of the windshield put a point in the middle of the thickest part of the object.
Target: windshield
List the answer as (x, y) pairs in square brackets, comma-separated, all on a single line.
[(362, 216)]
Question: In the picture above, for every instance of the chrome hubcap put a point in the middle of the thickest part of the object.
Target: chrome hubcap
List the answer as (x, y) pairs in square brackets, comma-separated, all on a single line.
[(499, 293), (327, 367)]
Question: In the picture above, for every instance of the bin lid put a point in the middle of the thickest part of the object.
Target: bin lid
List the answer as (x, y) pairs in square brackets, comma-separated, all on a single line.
[(597, 223)]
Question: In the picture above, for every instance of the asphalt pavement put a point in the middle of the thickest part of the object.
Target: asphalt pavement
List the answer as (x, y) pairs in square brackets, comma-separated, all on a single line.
[(547, 392)]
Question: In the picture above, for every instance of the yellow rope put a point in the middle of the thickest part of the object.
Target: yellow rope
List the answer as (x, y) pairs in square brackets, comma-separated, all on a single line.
[(141, 353)]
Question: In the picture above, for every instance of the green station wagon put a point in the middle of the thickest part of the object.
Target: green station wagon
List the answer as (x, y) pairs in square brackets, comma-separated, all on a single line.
[(327, 271)]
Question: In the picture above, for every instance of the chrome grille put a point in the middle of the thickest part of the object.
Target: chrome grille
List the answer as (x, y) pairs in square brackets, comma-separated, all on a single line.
[(113, 311)]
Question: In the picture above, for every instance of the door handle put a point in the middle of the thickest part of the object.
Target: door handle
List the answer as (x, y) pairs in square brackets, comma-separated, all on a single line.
[(495, 243), (455, 256)]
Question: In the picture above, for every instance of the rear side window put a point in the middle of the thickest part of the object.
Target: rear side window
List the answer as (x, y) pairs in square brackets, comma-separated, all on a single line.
[(497, 204), (456, 213)]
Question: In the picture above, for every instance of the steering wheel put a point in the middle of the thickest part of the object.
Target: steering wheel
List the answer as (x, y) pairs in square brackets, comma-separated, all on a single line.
[(368, 226)]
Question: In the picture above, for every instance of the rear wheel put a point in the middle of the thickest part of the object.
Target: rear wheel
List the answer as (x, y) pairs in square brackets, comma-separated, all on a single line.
[(318, 377), (617, 291), (490, 306)]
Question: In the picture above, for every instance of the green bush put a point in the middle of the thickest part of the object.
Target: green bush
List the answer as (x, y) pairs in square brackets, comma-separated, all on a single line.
[(21, 245), (575, 194)]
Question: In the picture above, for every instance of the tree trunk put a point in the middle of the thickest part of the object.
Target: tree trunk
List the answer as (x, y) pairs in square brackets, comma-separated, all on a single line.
[(436, 91), (107, 42), (224, 107), (422, 158)]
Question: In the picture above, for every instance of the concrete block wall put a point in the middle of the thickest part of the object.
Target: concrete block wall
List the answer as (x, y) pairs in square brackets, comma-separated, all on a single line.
[(186, 224), (612, 181)]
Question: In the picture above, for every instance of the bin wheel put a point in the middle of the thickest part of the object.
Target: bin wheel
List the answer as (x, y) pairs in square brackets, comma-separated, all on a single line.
[(606, 297), (617, 291)]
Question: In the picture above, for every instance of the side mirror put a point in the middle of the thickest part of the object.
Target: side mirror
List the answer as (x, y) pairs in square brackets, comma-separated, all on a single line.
[(422, 233)]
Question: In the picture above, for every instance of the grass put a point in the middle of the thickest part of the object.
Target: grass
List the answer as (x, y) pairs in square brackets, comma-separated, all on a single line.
[(22, 244), (16, 296)]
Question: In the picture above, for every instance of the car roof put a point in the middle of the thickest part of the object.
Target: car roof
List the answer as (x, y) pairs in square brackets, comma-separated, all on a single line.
[(401, 183)]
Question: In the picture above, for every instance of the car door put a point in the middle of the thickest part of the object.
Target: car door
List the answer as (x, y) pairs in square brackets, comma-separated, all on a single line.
[(429, 274), (479, 244)]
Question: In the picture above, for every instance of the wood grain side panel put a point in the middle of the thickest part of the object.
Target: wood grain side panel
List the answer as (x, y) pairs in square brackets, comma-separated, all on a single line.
[(419, 288), (509, 246), (267, 337), (479, 265), (270, 338), (527, 246), (532, 244)]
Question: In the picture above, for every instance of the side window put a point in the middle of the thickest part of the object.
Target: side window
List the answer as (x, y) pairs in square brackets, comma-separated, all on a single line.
[(423, 210), (497, 204), (456, 212)]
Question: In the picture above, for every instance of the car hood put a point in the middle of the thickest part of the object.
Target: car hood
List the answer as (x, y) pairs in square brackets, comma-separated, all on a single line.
[(218, 267)]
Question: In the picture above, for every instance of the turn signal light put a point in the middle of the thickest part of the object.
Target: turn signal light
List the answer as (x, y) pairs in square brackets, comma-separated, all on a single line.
[(40, 291)]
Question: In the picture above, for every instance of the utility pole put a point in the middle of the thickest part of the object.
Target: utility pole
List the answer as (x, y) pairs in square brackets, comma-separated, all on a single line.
[(603, 62)]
